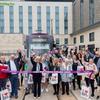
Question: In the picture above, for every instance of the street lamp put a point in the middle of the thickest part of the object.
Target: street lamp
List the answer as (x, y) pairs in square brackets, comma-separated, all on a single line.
[(51, 26)]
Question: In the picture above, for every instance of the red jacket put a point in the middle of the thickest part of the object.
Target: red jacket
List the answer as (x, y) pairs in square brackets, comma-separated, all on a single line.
[(3, 67)]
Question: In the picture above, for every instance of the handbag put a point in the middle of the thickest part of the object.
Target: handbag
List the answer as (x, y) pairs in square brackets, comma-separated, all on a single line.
[(85, 92)]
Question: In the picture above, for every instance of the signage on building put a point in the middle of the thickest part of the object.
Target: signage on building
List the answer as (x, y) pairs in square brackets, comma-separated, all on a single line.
[(39, 40), (6, 3)]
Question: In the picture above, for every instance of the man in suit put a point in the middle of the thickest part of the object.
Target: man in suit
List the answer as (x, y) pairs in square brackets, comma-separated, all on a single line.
[(37, 66), (13, 64)]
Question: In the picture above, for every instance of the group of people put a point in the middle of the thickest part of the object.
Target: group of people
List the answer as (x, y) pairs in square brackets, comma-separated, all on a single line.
[(58, 60)]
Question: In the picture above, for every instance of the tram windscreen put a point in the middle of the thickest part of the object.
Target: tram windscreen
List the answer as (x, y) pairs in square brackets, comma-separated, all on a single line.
[(39, 48)]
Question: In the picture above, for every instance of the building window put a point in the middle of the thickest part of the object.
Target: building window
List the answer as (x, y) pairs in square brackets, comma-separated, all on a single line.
[(39, 26), (30, 19), (11, 18), (91, 12), (91, 36), (48, 19), (82, 39), (57, 41), (57, 20), (66, 41), (65, 20), (74, 40), (81, 13), (20, 19), (1, 19)]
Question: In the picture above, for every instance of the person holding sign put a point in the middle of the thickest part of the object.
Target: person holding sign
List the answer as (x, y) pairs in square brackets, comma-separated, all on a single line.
[(55, 77), (77, 77), (91, 76), (65, 78)]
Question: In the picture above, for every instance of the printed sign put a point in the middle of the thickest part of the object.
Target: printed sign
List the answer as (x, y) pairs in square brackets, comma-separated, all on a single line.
[(85, 92), (5, 95), (30, 79), (54, 79)]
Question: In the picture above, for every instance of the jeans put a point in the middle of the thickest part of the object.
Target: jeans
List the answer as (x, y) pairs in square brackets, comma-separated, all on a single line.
[(14, 84)]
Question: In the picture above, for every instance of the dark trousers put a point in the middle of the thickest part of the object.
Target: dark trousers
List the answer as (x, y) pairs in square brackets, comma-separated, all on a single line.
[(14, 84), (78, 78), (56, 88), (2, 84), (96, 76), (65, 85), (37, 87), (90, 82)]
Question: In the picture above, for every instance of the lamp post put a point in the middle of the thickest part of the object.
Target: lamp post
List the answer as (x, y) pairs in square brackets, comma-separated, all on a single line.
[(51, 26)]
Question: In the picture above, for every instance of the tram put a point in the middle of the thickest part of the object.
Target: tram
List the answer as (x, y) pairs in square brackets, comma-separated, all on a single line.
[(39, 43)]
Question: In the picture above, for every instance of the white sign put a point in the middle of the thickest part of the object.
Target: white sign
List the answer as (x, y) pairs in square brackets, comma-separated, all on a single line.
[(85, 92), (5, 95), (54, 79), (30, 79)]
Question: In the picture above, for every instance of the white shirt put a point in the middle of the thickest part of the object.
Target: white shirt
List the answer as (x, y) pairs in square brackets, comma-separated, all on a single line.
[(38, 67), (13, 66)]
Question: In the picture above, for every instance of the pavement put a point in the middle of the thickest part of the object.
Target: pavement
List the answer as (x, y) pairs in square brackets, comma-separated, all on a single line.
[(77, 94), (45, 96)]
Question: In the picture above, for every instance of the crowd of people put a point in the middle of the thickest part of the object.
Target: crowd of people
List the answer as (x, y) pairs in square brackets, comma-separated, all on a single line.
[(58, 59)]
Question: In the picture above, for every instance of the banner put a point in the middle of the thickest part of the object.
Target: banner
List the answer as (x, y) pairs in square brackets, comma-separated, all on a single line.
[(85, 92), (30, 72), (5, 95)]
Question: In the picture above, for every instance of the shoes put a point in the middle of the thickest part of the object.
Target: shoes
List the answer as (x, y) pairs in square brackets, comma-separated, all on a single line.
[(38, 97), (80, 88), (11, 96), (16, 97), (63, 93), (92, 95), (97, 97), (46, 90), (67, 93), (57, 93), (54, 93), (34, 98), (42, 90)]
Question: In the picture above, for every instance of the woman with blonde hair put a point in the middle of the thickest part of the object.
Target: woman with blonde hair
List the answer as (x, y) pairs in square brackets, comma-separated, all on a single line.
[(37, 76), (55, 67)]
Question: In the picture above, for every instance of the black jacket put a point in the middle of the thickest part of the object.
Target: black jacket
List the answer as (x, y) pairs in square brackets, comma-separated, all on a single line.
[(17, 63), (36, 75)]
